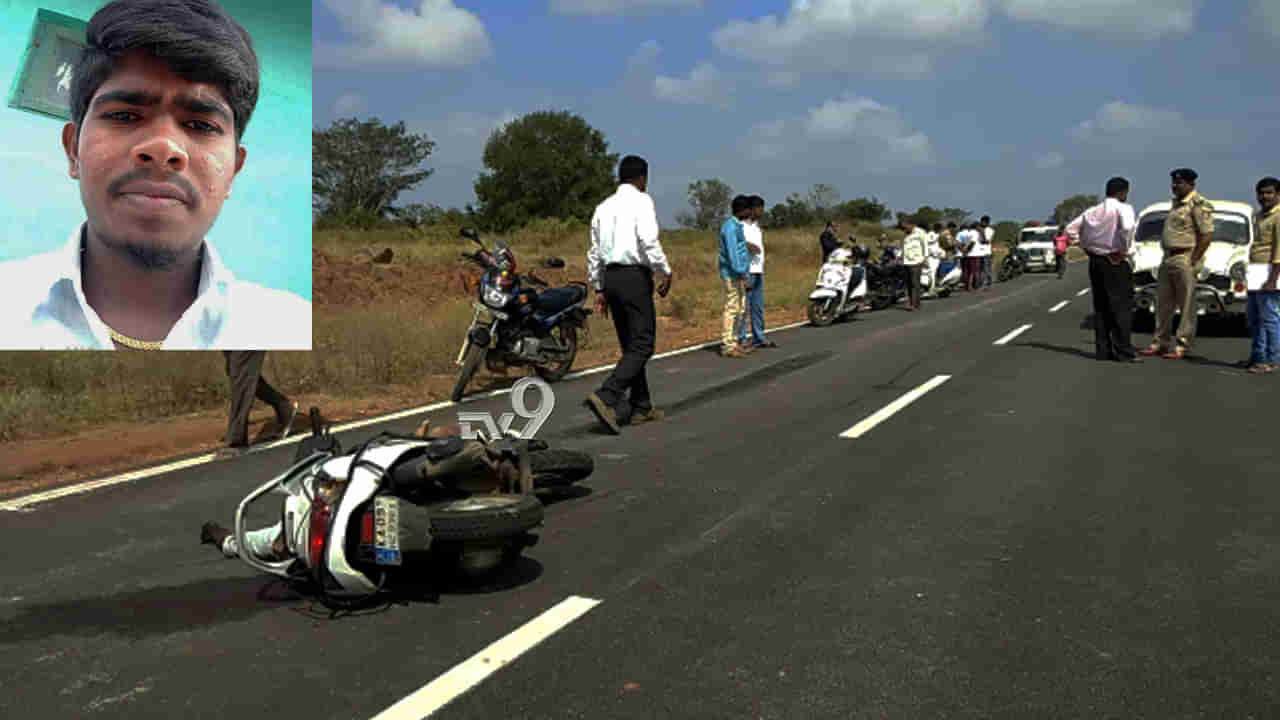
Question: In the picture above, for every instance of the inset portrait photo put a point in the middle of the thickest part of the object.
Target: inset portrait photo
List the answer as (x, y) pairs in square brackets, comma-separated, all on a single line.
[(156, 193)]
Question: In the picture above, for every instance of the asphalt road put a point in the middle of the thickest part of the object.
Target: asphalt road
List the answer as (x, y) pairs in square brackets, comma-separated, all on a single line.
[(1038, 535)]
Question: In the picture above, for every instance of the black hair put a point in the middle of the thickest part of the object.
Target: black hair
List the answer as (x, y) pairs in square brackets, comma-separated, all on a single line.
[(1268, 182), (1186, 174), (951, 224), (757, 201), (740, 203), (937, 226), (197, 39), (632, 167), (1116, 185), (986, 219)]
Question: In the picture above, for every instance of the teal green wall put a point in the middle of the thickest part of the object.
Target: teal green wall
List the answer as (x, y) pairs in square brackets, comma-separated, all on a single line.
[(264, 229)]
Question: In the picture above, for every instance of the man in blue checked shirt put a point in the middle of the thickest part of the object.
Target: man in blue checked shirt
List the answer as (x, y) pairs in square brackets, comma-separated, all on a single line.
[(734, 264)]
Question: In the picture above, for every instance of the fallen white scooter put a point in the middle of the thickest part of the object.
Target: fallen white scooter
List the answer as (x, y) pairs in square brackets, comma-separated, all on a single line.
[(841, 287), (357, 523), (946, 278)]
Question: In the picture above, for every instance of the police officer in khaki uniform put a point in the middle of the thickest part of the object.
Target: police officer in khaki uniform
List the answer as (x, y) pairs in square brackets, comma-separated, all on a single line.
[(1188, 230)]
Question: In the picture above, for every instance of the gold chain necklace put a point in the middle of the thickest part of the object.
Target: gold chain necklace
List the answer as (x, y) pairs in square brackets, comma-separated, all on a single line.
[(134, 343)]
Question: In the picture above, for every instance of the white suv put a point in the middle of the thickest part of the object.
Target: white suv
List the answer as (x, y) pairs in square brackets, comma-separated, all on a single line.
[(1037, 243), (1220, 285)]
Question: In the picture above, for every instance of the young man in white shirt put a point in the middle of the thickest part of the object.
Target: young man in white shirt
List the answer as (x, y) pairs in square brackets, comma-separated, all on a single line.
[(159, 103), (621, 261), (1105, 232), (986, 236), (754, 317), (966, 248), (914, 253)]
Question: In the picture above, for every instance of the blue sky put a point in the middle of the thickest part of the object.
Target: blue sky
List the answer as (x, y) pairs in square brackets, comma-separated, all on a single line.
[(1001, 107)]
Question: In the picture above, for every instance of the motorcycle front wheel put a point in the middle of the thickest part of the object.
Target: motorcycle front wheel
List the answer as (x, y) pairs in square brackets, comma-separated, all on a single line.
[(822, 312), (475, 356), (551, 372)]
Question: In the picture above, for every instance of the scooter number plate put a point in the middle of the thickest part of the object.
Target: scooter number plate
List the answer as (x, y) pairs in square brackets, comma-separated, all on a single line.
[(834, 277), (386, 531)]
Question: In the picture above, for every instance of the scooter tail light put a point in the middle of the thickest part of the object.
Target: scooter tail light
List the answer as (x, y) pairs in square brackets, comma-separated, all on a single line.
[(366, 528), (320, 517)]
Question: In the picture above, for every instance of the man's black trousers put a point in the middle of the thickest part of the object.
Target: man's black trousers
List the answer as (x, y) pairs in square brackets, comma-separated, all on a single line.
[(1112, 289), (628, 289)]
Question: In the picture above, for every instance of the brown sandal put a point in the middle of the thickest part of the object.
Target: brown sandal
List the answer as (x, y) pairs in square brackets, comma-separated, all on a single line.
[(1177, 354), (1151, 350)]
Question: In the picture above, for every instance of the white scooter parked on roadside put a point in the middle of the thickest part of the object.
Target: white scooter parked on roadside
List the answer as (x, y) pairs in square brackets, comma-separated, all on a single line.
[(841, 287)]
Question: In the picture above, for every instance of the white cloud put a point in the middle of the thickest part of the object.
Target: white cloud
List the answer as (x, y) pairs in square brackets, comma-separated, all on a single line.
[(705, 85), (1267, 13), (436, 33), (620, 7), (1050, 161), (477, 125), (874, 136), (818, 32), (905, 36), (1148, 18), (349, 105), (1121, 119)]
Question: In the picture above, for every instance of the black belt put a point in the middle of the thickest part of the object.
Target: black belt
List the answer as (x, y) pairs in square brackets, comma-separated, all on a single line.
[(621, 266)]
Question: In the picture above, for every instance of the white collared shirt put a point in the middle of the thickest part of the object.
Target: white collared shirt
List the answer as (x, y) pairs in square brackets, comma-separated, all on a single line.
[(755, 237), (624, 230), (45, 309), (982, 242), (1105, 228)]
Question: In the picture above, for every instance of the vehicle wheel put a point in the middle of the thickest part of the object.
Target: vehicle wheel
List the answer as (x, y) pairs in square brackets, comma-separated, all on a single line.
[(1004, 274), (822, 312), (551, 372), (558, 468), (474, 356), (484, 517), (944, 292)]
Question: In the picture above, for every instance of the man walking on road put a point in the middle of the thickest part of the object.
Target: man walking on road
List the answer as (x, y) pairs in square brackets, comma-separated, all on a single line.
[(1188, 230), (244, 370), (623, 256), (1105, 231), (1060, 243), (1263, 274), (914, 251), (734, 265), (752, 332)]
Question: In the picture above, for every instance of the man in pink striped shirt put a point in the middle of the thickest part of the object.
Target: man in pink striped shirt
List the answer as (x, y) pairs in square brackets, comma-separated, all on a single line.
[(1105, 231)]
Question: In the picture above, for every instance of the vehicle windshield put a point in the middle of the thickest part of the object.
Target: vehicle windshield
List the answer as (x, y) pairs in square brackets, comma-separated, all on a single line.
[(1227, 227), (1043, 236)]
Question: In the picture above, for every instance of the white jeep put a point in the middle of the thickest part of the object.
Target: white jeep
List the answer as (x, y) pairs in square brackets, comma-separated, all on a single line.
[(1037, 244), (1220, 284)]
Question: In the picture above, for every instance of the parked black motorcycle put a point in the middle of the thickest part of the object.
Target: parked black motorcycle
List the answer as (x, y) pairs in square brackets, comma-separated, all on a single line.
[(1013, 265), (886, 279), (516, 325)]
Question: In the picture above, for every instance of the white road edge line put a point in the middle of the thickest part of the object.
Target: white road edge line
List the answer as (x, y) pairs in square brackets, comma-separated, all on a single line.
[(23, 501), (441, 691), (889, 410), (1059, 306), (1082, 292), (1004, 340)]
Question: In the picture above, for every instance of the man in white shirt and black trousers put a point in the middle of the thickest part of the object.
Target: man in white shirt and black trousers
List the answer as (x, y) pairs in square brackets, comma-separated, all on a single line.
[(623, 256)]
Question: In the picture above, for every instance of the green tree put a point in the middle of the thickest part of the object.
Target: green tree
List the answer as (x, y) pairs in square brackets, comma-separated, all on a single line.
[(547, 164), (1007, 233), (710, 200), (359, 168), (822, 199), (865, 210), (1069, 209), (955, 215)]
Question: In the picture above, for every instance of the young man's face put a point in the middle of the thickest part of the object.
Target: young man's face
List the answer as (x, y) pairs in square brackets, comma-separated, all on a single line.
[(1267, 197), (155, 158), (1181, 188)]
